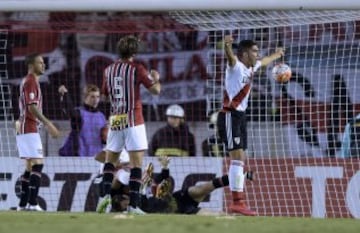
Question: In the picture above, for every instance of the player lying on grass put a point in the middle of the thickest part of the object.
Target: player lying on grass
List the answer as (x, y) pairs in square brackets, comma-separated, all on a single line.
[(156, 190)]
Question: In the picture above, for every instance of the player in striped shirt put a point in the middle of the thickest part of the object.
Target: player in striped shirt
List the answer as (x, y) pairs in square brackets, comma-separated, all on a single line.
[(121, 83), (231, 120), (27, 132)]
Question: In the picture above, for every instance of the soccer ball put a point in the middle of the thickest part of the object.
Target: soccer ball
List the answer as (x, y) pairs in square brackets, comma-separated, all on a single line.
[(281, 72)]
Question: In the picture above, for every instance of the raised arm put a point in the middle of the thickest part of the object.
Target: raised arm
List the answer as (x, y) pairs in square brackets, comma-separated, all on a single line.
[(268, 59), (228, 40)]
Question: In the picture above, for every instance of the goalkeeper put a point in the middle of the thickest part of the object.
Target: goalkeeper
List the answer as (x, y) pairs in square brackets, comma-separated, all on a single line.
[(156, 192)]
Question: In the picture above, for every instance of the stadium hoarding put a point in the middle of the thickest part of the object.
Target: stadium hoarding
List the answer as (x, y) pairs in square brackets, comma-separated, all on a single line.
[(302, 187)]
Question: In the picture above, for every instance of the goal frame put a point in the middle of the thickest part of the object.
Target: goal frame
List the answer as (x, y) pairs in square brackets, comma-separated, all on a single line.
[(160, 5)]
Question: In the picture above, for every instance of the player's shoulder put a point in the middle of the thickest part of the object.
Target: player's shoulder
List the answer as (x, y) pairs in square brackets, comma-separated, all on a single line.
[(29, 80)]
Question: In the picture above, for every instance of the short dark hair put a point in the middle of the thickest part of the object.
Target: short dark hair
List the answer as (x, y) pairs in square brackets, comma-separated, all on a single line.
[(128, 46), (30, 59), (245, 45), (90, 88)]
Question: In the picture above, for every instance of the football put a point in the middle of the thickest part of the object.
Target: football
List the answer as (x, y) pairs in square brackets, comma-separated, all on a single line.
[(281, 73)]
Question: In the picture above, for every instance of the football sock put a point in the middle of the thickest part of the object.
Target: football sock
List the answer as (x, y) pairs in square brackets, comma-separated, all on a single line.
[(108, 177), (34, 183), (24, 197), (219, 182), (134, 186), (236, 175)]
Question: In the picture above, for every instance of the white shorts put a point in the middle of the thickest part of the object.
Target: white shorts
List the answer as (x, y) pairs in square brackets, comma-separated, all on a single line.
[(133, 139), (123, 176), (29, 145)]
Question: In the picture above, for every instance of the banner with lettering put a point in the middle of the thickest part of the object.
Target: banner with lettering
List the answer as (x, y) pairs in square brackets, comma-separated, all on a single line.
[(303, 187)]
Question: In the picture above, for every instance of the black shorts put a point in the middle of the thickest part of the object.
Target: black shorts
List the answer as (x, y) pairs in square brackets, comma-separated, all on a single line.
[(232, 129), (185, 204)]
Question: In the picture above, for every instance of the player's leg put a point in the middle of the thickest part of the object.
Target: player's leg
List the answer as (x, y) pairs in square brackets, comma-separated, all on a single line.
[(108, 177), (232, 130), (24, 179), (200, 191), (114, 145), (30, 148), (34, 183), (136, 158), (136, 144)]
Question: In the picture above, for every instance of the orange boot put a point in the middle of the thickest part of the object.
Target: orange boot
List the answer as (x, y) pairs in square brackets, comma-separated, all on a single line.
[(239, 206)]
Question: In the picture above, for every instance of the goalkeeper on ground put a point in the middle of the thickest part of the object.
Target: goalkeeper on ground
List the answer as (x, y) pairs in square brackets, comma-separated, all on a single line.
[(156, 191)]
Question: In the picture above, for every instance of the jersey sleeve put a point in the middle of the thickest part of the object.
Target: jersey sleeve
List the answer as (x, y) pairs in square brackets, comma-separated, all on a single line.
[(31, 92), (144, 77)]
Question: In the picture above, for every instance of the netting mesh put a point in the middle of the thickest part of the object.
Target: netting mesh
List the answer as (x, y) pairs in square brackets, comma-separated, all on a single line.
[(292, 123), (234, 20), (295, 130)]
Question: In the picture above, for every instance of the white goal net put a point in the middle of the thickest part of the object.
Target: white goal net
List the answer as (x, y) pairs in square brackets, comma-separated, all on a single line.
[(295, 129)]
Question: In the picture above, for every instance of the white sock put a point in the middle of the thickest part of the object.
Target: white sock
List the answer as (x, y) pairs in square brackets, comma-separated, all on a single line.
[(236, 176)]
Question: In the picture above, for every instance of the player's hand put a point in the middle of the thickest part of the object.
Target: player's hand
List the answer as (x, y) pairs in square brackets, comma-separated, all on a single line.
[(280, 51), (155, 75), (17, 126), (53, 131), (164, 161), (62, 90), (228, 39)]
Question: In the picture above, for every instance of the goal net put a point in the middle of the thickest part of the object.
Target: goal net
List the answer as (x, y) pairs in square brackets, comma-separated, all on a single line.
[(295, 129)]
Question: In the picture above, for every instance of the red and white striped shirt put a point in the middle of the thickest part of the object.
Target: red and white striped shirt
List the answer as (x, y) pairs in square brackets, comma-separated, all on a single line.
[(238, 82), (121, 82), (30, 93)]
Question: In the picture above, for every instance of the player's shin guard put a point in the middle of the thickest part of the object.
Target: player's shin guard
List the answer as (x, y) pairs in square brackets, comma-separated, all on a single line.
[(34, 183), (236, 175), (134, 186), (24, 197), (108, 177)]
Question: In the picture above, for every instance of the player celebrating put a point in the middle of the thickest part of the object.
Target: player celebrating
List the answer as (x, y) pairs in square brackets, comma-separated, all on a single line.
[(28, 139), (231, 120), (121, 84)]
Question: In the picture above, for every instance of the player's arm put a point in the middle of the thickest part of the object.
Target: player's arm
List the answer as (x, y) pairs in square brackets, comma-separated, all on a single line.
[(156, 87), (104, 94), (165, 172), (100, 157), (268, 59), (228, 40), (49, 125), (65, 100)]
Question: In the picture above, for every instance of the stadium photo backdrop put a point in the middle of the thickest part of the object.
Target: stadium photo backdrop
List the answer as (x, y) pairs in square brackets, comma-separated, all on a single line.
[(294, 131)]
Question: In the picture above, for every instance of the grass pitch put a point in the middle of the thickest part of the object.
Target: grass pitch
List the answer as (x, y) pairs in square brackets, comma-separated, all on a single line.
[(30, 222)]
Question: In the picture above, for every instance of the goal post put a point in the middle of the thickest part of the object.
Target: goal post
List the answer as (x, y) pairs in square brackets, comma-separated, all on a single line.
[(294, 131), (160, 5)]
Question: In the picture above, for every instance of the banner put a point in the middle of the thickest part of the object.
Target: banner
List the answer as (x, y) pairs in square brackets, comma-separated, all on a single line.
[(67, 182), (182, 74), (303, 187)]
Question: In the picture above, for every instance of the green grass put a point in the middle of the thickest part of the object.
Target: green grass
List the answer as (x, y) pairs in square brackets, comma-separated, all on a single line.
[(30, 222)]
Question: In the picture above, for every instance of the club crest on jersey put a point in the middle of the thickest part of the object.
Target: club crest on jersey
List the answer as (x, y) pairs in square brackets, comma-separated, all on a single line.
[(32, 95), (237, 140)]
